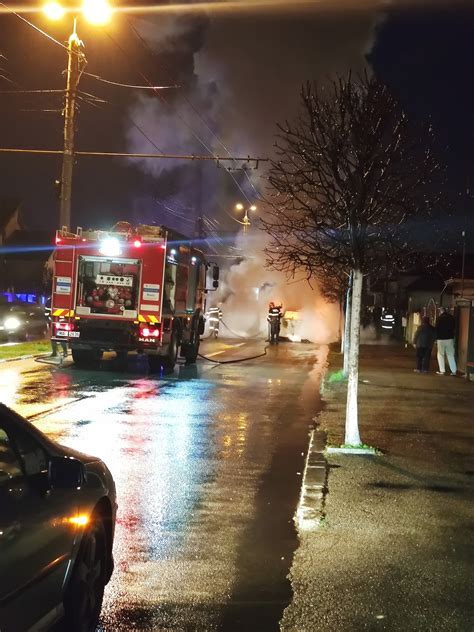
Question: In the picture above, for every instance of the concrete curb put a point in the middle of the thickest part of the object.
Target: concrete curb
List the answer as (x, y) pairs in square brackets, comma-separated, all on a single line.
[(333, 450), (25, 357), (310, 510)]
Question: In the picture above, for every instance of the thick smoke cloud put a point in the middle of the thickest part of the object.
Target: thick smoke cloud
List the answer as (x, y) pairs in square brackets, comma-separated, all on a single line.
[(248, 288), (243, 74)]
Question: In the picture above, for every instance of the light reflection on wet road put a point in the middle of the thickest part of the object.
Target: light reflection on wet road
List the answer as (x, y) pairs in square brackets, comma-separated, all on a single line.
[(208, 468)]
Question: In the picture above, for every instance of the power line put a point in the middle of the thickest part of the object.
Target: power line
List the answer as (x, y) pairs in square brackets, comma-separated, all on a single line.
[(126, 85), (33, 26), (191, 157)]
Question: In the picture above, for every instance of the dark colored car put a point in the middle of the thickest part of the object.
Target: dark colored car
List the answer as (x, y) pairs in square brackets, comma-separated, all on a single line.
[(19, 321), (57, 522)]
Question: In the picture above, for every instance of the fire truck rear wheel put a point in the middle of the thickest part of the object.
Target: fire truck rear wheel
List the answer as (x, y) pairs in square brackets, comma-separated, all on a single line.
[(86, 358)]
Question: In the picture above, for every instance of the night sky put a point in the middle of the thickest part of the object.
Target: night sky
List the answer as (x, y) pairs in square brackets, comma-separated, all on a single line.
[(239, 73)]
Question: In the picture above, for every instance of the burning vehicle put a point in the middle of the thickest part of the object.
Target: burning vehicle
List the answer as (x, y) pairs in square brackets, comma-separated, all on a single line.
[(291, 326)]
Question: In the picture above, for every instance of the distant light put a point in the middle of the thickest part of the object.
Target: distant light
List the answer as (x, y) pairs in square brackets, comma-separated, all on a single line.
[(193, 260), (58, 240), (80, 520), (137, 243), (239, 207), (110, 247), (53, 10), (11, 323), (97, 11), (253, 207), (173, 252)]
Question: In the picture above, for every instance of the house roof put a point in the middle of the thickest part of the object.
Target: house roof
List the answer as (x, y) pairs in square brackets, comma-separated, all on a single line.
[(8, 206)]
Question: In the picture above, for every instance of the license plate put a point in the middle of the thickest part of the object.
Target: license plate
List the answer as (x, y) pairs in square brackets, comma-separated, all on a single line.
[(74, 334), (61, 332)]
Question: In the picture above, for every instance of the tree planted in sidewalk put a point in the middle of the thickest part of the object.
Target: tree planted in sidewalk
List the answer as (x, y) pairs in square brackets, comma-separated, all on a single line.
[(352, 175)]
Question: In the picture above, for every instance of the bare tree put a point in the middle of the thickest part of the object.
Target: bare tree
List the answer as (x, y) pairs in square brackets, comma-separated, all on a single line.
[(351, 171)]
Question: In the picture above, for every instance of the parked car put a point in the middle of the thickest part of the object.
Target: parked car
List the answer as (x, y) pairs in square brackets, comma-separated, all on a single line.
[(57, 523), (19, 321)]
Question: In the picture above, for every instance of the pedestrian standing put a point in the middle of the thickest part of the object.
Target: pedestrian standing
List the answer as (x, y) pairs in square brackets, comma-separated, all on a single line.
[(445, 327), (423, 342)]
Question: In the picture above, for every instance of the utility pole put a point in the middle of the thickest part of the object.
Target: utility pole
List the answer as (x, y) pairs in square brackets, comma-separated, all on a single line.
[(463, 234), (76, 61)]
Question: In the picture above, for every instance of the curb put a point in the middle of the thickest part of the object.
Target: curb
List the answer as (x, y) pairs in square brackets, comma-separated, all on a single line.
[(25, 357), (310, 510)]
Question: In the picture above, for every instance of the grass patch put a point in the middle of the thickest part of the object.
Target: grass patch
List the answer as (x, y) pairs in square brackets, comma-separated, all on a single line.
[(337, 376), (24, 348)]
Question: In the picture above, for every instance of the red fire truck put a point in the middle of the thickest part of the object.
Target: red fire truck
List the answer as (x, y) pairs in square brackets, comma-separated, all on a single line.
[(129, 289)]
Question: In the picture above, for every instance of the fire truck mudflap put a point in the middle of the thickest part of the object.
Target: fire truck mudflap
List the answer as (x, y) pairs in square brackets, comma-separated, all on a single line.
[(137, 289)]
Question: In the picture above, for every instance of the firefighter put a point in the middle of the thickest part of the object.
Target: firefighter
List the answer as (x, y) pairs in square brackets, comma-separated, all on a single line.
[(273, 319), (214, 315), (54, 344)]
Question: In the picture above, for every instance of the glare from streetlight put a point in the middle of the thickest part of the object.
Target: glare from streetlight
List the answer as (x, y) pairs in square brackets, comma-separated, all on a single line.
[(239, 207), (97, 11), (53, 10), (253, 207)]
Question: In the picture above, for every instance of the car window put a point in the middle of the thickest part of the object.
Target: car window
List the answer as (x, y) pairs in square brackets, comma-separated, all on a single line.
[(34, 457), (10, 466)]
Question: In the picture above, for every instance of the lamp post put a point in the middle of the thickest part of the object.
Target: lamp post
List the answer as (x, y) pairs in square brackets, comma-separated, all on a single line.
[(96, 12), (246, 221)]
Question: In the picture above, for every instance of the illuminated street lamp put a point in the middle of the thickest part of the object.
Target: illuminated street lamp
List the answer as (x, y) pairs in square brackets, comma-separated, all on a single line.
[(96, 12), (246, 221)]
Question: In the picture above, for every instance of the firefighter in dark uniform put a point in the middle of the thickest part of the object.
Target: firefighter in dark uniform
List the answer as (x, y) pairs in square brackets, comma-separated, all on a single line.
[(214, 315), (273, 320), (54, 344)]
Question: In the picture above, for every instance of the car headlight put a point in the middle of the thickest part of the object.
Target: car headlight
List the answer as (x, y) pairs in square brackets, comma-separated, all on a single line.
[(12, 323)]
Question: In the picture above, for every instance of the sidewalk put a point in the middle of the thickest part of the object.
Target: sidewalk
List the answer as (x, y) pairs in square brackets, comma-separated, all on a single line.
[(394, 549)]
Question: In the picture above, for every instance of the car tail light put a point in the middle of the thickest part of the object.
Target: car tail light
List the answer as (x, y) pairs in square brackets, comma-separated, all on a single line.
[(137, 243)]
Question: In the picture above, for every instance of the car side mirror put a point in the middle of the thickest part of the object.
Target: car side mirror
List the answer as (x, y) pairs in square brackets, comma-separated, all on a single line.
[(65, 473)]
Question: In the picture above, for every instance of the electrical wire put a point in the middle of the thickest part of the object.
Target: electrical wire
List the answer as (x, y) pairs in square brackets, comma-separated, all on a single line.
[(36, 28), (29, 91), (126, 85)]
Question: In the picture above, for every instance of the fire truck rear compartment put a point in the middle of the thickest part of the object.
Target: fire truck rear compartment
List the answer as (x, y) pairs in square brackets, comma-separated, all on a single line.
[(106, 335)]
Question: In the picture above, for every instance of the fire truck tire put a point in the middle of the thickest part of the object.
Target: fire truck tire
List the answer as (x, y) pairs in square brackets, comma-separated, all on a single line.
[(86, 358), (169, 360), (122, 359), (165, 362)]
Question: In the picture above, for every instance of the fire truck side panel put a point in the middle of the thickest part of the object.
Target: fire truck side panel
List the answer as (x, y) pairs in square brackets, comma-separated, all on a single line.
[(151, 290), (63, 283)]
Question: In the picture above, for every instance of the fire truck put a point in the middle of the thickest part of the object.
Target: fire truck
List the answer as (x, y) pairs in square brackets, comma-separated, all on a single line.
[(137, 289)]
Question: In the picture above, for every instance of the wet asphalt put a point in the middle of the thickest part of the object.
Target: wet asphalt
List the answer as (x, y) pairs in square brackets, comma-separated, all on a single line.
[(208, 464)]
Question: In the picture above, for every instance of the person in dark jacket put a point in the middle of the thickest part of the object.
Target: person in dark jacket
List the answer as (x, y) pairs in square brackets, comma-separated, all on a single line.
[(423, 342), (445, 327)]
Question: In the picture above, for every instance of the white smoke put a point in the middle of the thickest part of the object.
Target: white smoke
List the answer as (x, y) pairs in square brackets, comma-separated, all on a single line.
[(247, 288)]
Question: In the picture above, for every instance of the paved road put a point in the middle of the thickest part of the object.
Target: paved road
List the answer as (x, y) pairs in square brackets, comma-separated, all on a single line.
[(208, 465)]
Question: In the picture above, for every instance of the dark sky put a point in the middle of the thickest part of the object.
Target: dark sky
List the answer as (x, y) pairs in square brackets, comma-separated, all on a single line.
[(240, 73)]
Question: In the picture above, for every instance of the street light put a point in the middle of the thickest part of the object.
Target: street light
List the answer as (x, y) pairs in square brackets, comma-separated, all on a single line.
[(96, 12), (246, 220)]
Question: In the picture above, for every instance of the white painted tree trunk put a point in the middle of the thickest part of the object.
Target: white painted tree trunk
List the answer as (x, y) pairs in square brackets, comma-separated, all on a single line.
[(347, 326), (352, 420)]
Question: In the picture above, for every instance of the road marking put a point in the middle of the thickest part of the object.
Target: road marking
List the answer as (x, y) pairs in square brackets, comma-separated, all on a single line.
[(239, 345), (211, 355)]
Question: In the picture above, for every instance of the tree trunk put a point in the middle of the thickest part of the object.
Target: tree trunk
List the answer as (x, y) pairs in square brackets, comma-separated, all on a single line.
[(347, 327), (352, 423)]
